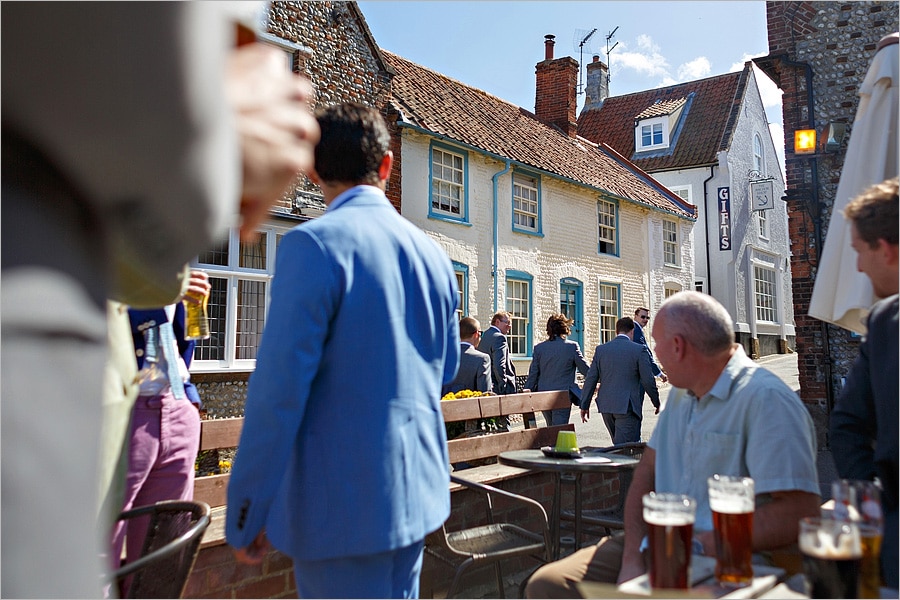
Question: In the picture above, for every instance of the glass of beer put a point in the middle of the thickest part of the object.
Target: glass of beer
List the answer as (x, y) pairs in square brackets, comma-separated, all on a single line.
[(731, 500), (832, 552), (196, 320), (670, 525), (860, 502)]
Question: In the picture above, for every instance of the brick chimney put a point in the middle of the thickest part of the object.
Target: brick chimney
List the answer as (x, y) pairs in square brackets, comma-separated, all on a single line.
[(596, 90), (555, 101)]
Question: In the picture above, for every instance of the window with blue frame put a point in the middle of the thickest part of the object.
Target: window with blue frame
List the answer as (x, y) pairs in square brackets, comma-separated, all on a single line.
[(519, 306), (570, 304), (449, 183), (462, 283), (526, 203), (608, 227), (610, 309)]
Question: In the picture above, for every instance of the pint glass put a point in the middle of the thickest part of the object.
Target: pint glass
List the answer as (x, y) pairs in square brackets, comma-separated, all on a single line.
[(670, 525), (860, 501), (831, 556), (731, 500), (196, 318)]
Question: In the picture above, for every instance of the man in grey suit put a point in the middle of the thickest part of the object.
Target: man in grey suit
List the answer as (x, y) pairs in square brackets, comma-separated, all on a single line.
[(474, 367), (621, 367), (493, 343)]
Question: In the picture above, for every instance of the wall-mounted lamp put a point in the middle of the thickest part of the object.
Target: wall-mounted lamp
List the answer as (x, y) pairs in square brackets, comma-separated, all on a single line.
[(834, 136), (804, 141)]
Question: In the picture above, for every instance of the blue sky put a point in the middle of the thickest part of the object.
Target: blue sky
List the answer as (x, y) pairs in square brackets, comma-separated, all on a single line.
[(494, 45)]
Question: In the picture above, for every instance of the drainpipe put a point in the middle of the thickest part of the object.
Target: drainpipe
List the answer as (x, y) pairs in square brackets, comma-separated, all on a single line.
[(496, 232), (706, 214)]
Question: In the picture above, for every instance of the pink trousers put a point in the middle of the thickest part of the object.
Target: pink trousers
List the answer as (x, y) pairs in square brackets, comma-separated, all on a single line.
[(165, 438)]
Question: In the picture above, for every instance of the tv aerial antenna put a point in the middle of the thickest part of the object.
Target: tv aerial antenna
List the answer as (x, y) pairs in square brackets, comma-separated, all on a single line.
[(582, 40), (609, 38)]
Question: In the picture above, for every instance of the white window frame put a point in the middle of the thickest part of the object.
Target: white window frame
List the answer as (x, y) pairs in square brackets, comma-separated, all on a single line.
[(765, 293), (607, 227), (762, 223), (227, 279), (444, 180), (670, 243), (526, 203), (462, 281), (519, 305), (609, 309), (654, 125), (682, 191), (759, 159)]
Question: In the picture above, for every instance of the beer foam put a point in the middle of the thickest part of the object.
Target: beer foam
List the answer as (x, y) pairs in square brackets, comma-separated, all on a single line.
[(653, 517), (731, 506), (824, 543)]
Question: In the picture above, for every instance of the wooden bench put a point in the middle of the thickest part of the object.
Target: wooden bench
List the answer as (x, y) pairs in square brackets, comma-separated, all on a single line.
[(492, 444), (218, 434)]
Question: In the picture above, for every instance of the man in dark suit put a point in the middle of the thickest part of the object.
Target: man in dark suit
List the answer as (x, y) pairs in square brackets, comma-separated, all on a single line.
[(641, 318), (553, 366), (493, 343), (474, 367), (621, 367), (864, 421)]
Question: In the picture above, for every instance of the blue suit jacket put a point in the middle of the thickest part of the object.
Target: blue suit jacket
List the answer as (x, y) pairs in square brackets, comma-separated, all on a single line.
[(639, 338), (474, 371), (140, 319), (343, 450), (553, 366), (620, 366)]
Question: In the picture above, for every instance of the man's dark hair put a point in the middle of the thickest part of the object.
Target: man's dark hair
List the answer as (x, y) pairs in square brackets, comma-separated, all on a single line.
[(874, 213), (641, 308), (624, 325), (467, 327), (558, 325), (354, 141)]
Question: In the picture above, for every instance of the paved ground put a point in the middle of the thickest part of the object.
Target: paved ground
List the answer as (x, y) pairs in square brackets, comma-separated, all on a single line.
[(593, 433)]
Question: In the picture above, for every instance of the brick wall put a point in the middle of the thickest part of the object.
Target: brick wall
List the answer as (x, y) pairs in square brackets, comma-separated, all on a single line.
[(555, 100), (217, 575), (827, 48)]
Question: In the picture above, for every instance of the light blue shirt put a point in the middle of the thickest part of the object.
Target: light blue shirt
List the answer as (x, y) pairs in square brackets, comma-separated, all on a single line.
[(749, 424)]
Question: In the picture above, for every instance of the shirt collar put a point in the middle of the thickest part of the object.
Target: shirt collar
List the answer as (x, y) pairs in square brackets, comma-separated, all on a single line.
[(348, 194), (721, 389)]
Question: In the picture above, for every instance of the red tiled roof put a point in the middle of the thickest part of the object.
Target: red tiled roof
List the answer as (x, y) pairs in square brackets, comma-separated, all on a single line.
[(438, 104), (661, 108), (707, 128)]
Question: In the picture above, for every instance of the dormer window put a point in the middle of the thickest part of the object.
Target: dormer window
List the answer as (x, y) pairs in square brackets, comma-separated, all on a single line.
[(651, 134), (654, 125)]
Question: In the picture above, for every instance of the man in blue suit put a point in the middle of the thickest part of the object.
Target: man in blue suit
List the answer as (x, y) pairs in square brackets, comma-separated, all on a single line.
[(641, 318), (342, 463), (621, 367), (474, 367)]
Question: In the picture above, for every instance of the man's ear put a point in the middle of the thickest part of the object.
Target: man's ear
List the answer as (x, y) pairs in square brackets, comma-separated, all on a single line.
[(384, 169), (889, 251)]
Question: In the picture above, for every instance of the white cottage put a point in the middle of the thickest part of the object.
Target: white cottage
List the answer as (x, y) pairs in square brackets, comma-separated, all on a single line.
[(708, 141), (536, 219)]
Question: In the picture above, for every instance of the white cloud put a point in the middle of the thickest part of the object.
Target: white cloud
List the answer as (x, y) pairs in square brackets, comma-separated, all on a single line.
[(695, 69), (646, 60)]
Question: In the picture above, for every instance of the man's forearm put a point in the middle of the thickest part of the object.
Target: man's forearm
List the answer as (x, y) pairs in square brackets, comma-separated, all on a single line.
[(776, 524)]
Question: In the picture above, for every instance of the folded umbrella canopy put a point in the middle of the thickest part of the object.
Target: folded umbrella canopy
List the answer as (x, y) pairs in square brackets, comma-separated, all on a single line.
[(842, 295)]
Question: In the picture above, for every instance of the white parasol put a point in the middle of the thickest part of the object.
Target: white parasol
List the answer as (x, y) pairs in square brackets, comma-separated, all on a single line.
[(842, 295)]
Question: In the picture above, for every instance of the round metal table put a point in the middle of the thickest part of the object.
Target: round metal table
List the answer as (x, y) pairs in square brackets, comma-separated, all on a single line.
[(591, 461)]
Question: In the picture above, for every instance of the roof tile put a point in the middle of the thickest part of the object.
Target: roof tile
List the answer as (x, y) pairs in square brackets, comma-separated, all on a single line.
[(441, 105)]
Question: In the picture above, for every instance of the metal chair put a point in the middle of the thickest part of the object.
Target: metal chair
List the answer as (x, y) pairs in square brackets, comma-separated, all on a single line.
[(491, 543), (174, 531), (607, 519)]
